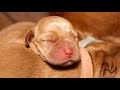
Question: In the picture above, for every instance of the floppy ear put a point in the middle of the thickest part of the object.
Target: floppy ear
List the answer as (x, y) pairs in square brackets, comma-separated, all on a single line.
[(80, 34), (108, 65), (29, 37)]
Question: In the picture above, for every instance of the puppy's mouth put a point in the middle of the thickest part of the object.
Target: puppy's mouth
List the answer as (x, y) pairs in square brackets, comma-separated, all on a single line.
[(63, 64), (67, 63), (59, 57)]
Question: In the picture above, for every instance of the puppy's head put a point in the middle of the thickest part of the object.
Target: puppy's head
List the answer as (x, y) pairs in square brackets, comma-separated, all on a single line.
[(55, 40)]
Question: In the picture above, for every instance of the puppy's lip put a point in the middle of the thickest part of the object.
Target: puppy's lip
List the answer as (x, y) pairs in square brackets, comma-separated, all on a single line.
[(66, 63), (69, 62)]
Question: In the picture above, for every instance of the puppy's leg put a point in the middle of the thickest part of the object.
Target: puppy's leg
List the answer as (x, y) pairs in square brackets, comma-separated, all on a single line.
[(105, 65)]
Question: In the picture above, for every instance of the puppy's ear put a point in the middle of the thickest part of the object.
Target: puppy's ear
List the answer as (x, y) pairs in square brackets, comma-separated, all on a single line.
[(80, 35), (108, 65), (29, 37)]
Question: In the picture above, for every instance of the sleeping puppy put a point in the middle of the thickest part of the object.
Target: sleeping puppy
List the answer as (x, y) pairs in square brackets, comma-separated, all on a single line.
[(57, 42)]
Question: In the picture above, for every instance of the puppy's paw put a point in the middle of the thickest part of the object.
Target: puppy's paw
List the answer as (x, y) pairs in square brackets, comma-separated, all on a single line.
[(108, 65)]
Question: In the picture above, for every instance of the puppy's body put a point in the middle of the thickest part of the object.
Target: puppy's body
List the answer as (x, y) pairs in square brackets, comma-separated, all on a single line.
[(19, 61)]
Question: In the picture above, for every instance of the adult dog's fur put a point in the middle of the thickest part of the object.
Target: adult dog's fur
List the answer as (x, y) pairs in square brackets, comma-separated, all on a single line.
[(19, 61), (103, 25)]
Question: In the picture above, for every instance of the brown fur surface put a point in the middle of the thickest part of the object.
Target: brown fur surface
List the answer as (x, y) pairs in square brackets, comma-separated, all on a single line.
[(98, 24), (4, 21), (26, 16), (21, 62)]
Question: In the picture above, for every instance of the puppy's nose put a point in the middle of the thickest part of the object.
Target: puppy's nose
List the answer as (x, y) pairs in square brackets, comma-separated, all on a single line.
[(68, 52)]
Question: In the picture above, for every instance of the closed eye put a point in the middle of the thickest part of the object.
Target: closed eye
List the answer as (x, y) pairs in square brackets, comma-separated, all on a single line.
[(49, 38)]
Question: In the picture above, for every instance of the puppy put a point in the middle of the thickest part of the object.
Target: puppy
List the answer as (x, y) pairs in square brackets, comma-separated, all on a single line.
[(57, 42)]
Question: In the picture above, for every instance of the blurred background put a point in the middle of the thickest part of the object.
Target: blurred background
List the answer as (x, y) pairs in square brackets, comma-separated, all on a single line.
[(8, 18)]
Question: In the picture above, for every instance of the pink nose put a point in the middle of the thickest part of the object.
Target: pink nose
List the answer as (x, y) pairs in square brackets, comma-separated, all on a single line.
[(68, 52)]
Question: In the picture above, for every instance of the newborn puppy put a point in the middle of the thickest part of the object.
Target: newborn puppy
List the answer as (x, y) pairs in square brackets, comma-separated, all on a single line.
[(55, 40)]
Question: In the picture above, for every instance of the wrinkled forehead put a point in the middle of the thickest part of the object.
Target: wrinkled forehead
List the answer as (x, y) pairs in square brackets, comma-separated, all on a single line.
[(56, 25)]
